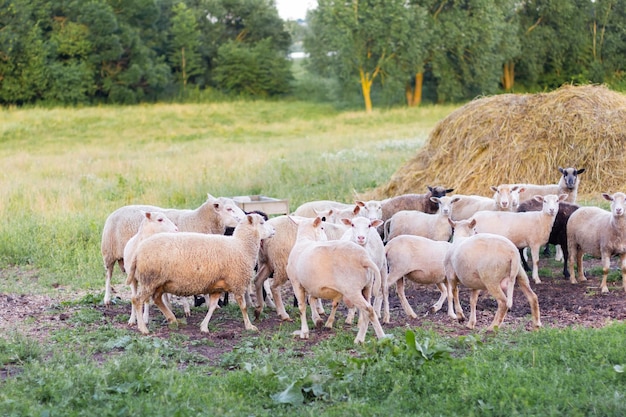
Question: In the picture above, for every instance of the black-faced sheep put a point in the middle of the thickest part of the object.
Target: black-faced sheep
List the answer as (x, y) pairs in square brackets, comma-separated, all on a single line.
[(599, 233), (568, 184), (187, 263)]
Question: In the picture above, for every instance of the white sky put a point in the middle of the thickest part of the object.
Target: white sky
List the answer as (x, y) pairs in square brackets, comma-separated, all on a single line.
[(294, 9)]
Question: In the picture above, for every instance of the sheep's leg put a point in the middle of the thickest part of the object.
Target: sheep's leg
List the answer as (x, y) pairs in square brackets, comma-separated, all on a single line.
[(382, 298), (573, 255), (350, 315), (524, 258), (524, 285), (214, 299), (443, 288), (454, 311), (138, 301), (331, 317), (606, 264), (403, 300), (579, 263), (622, 258), (497, 293), (300, 295), (473, 300), (268, 298), (534, 252), (313, 301), (560, 254), (186, 307), (158, 300), (366, 315), (319, 307), (565, 261), (133, 292), (277, 283), (107, 284), (244, 312)]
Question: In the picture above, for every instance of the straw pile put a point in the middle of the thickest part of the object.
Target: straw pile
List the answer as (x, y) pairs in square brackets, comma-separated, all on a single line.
[(513, 138)]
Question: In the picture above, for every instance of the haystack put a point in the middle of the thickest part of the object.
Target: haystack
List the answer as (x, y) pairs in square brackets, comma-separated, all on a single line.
[(513, 138)]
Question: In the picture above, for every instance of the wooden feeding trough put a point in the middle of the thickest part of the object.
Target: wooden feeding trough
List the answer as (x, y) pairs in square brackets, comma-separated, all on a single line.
[(267, 205)]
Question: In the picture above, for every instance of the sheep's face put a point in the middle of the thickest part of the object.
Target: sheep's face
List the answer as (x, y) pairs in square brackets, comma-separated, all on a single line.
[(570, 177), (372, 209), (230, 212), (507, 197), (550, 203), (360, 229), (618, 203), (155, 222), (445, 204)]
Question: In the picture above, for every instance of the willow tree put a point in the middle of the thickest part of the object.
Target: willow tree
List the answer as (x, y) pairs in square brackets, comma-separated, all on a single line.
[(360, 41)]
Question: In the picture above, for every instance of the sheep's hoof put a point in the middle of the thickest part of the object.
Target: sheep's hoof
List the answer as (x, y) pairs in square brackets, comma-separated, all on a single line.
[(319, 323), (537, 281), (286, 318), (301, 334), (605, 290), (257, 314)]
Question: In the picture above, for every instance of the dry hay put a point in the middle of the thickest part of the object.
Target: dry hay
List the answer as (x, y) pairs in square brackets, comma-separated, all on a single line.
[(513, 138)]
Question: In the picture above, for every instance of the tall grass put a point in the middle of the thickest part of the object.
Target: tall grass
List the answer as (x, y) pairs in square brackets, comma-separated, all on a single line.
[(62, 171)]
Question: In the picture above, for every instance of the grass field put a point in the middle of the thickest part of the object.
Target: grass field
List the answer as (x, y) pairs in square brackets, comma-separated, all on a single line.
[(64, 170)]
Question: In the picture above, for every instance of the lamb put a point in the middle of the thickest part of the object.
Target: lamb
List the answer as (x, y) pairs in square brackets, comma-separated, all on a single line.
[(527, 229), (421, 260), (505, 198), (362, 231), (558, 234), (599, 233), (213, 216), (153, 222), (485, 261), (335, 270), (188, 263), (568, 184), (417, 223), (273, 257)]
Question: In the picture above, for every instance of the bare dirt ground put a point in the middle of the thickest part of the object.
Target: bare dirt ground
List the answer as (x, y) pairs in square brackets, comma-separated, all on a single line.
[(561, 303)]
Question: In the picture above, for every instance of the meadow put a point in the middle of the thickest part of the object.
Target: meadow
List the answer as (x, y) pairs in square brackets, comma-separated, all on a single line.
[(64, 170)]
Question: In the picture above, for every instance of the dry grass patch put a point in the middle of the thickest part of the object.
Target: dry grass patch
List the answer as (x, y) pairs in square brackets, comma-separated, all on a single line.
[(512, 138)]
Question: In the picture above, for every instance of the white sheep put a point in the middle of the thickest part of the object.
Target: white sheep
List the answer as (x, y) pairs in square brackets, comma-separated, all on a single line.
[(332, 270), (188, 263), (362, 231), (417, 223), (153, 222), (599, 233), (213, 216), (505, 198), (421, 260), (485, 261), (273, 257), (371, 209), (568, 184), (526, 229), (312, 208)]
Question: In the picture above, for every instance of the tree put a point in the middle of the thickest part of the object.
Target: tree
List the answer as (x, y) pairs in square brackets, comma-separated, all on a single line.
[(184, 44), (360, 41)]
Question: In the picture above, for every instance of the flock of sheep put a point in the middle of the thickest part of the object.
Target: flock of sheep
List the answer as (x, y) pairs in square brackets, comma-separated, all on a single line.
[(350, 253)]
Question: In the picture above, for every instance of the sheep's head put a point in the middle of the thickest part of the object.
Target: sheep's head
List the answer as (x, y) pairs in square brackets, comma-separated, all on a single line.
[(570, 176)]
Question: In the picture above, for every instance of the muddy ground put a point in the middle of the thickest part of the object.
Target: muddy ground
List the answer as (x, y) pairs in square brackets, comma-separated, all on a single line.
[(562, 304)]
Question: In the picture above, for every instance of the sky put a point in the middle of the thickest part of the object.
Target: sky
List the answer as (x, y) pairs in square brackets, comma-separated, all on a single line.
[(294, 9)]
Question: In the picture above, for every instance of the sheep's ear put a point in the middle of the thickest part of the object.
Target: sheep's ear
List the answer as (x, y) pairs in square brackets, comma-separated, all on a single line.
[(522, 189), (435, 199), (472, 223), (356, 210), (607, 197), (538, 198), (210, 197), (454, 200), (449, 190), (347, 222), (359, 203), (147, 214), (580, 171), (250, 218), (561, 170), (562, 197), (293, 219), (494, 188), (429, 188), (376, 222), (317, 221)]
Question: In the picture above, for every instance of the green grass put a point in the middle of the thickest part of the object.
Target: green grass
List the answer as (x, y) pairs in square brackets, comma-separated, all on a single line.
[(64, 170)]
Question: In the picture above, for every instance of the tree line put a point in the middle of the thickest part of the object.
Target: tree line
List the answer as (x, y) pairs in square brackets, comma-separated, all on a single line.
[(383, 51)]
